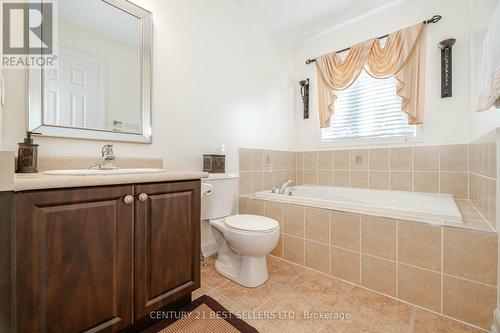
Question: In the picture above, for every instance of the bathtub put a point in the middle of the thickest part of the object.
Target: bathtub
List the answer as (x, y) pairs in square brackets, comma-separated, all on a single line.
[(412, 206)]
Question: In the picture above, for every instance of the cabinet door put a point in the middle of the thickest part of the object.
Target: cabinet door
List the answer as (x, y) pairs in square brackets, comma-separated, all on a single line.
[(74, 268), (167, 234)]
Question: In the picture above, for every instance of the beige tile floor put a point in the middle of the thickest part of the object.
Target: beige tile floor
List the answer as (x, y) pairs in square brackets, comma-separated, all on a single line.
[(292, 292)]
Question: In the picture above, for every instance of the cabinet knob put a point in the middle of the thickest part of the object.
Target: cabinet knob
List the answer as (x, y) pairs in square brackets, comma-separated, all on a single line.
[(143, 197), (129, 199)]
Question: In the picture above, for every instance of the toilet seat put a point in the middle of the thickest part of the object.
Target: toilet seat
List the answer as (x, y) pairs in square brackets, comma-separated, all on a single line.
[(251, 223)]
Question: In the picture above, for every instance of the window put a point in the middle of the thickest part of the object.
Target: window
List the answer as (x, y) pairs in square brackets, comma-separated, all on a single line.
[(368, 109)]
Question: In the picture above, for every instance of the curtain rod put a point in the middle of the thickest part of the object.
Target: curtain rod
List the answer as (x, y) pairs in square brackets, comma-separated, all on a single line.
[(433, 19)]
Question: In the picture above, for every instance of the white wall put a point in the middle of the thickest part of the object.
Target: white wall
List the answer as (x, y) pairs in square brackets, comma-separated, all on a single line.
[(481, 123), (445, 120), (218, 78)]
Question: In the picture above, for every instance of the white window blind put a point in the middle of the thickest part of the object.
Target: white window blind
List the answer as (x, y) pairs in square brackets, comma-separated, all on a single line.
[(369, 108)]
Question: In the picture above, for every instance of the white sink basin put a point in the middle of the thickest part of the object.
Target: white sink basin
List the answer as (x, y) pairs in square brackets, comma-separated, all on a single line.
[(98, 172)]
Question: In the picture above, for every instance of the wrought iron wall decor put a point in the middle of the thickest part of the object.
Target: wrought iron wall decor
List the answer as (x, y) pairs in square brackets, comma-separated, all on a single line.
[(304, 91), (446, 68)]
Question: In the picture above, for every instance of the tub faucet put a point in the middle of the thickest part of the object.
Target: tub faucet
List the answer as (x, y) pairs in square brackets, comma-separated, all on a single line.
[(285, 185)]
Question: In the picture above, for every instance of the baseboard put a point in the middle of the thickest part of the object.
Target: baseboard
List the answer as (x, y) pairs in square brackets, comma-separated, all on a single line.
[(495, 328), (209, 249)]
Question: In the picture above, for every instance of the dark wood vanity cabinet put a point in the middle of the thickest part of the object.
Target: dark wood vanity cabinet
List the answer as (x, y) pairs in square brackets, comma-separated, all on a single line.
[(74, 259), (167, 246), (98, 259)]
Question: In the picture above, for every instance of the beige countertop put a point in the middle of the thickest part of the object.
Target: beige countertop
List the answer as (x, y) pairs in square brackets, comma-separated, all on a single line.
[(39, 181)]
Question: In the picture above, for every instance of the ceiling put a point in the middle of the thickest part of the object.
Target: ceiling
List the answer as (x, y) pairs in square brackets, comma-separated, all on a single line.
[(293, 21)]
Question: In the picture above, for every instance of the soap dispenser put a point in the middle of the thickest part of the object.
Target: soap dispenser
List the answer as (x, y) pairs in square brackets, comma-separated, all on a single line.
[(27, 155)]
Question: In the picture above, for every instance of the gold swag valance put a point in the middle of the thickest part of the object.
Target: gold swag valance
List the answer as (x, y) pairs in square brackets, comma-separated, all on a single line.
[(403, 57)]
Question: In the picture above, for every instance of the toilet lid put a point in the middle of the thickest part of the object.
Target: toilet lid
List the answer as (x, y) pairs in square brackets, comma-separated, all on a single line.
[(251, 223)]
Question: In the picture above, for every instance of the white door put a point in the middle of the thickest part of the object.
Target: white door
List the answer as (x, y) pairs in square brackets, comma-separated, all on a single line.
[(72, 92)]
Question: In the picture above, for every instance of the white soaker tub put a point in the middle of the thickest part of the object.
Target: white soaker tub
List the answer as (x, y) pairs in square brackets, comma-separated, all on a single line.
[(413, 206)]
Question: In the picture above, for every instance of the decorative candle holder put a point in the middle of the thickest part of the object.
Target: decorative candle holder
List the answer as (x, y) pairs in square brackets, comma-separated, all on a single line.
[(304, 91), (446, 68)]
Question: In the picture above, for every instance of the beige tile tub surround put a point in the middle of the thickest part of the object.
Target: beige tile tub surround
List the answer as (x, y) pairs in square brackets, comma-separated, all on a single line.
[(379, 180), (479, 263), (325, 160), (345, 264), (7, 169), (379, 275), (341, 160), (426, 158), (378, 237), (317, 225), (420, 245), (436, 267), (483, 177), (466, 171), (317, 256), (379, 159), (401, 159), (345, 230), (427, 182), (310, 177), (467, 300), (431, 169), (419, 287), (293, 249), (262, 169), (294, 220)]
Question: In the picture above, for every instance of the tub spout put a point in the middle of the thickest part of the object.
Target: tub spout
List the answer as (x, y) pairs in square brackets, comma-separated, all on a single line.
[(285, 185)]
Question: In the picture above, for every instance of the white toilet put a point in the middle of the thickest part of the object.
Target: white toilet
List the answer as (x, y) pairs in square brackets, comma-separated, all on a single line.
[(243, 240)]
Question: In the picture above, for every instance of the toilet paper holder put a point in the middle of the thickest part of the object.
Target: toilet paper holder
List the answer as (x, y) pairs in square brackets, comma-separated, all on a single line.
[(206, 189)]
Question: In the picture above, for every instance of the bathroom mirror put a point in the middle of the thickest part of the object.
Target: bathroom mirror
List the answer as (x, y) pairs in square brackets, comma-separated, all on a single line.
[(101, 86)]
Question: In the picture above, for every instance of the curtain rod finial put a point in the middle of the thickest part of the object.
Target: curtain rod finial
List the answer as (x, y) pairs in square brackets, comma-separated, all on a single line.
[(433, 19), (310, 61)]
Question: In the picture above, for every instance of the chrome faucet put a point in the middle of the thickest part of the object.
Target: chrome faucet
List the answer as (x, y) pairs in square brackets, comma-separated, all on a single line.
[(108, 159), (284, 186)]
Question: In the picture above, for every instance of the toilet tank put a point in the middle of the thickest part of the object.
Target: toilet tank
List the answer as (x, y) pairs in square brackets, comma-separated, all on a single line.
[(223, 200)]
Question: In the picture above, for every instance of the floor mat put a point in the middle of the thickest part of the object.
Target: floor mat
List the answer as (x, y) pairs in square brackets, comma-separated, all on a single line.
[(204, 315)]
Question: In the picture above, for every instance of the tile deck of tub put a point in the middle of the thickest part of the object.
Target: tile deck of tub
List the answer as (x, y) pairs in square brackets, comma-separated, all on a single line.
[(308, 301), (472, 218)]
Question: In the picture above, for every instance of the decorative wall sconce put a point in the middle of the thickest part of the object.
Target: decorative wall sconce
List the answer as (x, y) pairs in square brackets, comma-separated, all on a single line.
[(304, 91), (446, 69)]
